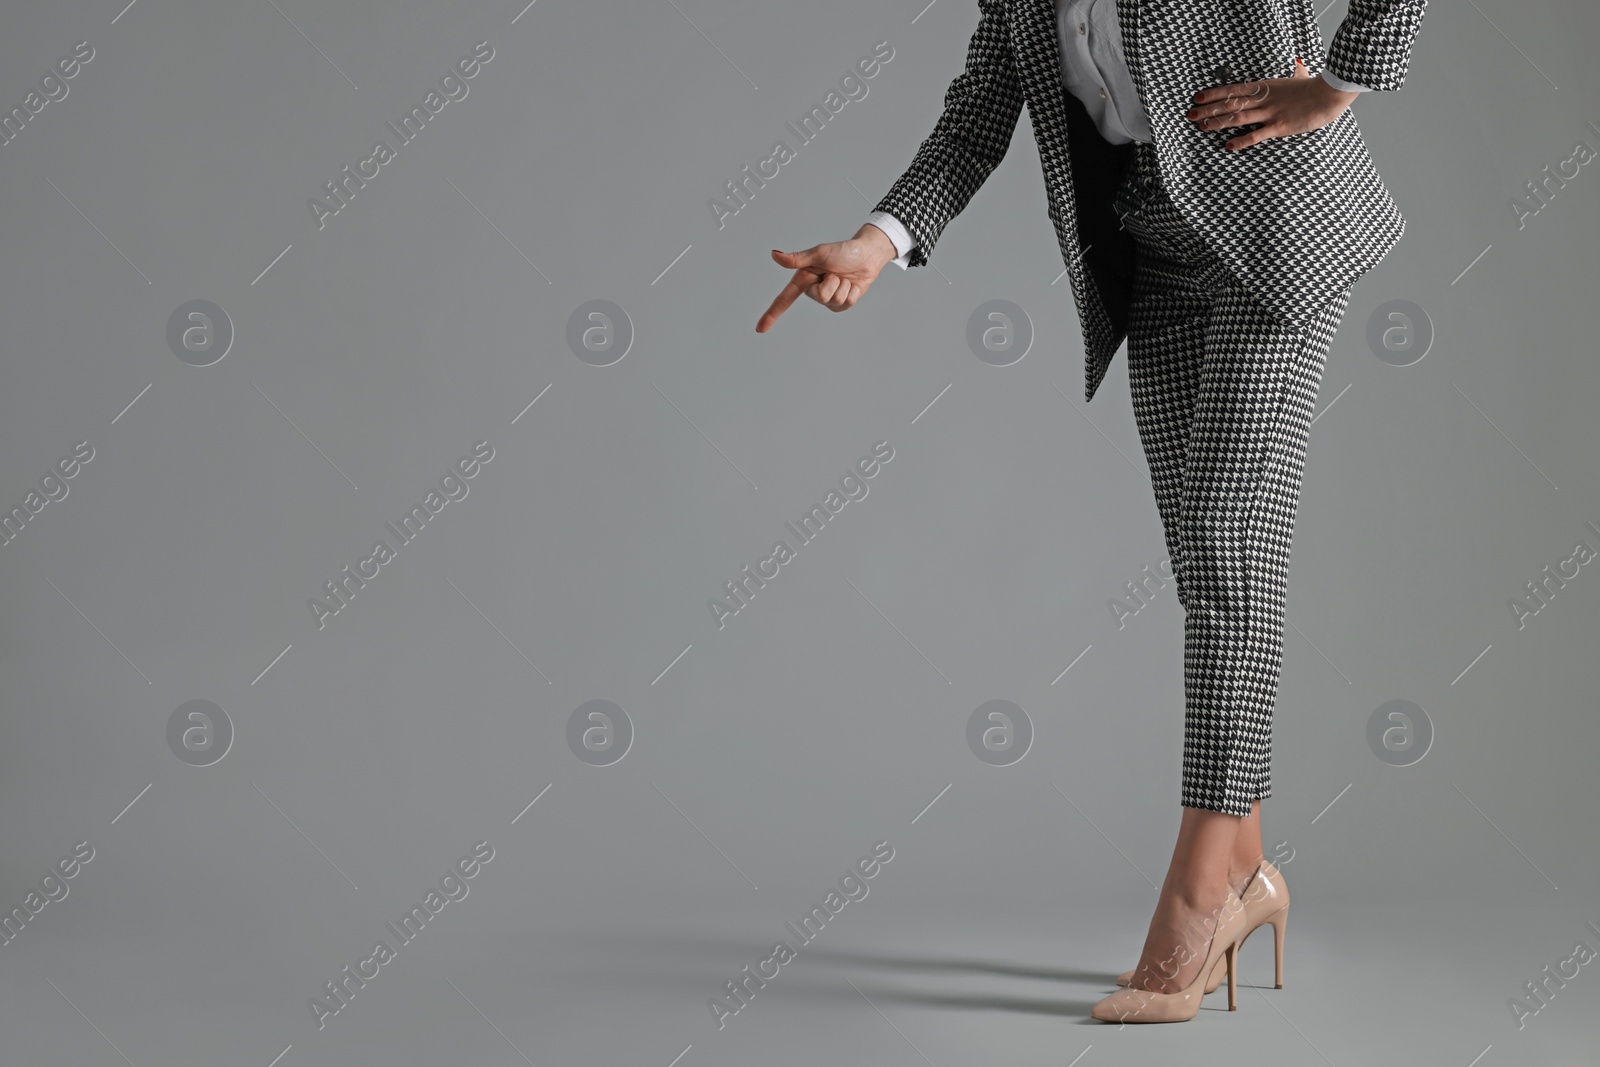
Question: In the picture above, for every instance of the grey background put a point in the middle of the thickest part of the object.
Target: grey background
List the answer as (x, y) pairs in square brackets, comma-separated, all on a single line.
[(829, 714)]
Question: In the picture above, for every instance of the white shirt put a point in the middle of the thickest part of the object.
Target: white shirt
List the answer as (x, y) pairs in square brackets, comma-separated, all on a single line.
[(1093, 70)]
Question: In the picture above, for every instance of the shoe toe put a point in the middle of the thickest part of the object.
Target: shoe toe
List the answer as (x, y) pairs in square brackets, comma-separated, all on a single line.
[(1116, 1008)]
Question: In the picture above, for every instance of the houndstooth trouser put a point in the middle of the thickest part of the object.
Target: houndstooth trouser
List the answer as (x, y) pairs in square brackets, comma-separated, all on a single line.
[(1222, 396)]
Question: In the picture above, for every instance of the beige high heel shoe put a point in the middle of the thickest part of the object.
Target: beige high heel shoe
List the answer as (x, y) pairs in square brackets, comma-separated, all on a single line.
[(1266, 900), (1146, 1006)]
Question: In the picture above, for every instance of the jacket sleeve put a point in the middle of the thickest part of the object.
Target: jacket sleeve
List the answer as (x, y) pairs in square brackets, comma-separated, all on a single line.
[(972, 134), (1372, 46)]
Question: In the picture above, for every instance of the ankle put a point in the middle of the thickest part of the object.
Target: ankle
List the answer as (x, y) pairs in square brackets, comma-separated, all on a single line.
[(1242, 867), (1203, 895)]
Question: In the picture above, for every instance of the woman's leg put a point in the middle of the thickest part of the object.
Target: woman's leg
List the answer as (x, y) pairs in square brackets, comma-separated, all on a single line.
[(1222, 394), (1190, 904), (1238, 495), (1246, 855), (1175, 289), (1241, 489), (1250, 384)]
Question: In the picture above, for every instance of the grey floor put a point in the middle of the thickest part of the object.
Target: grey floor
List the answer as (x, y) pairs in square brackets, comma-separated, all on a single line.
[(588, 939)]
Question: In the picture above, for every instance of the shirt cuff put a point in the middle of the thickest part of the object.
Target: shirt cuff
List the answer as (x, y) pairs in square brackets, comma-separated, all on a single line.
[(1339, 83), (898, 235)]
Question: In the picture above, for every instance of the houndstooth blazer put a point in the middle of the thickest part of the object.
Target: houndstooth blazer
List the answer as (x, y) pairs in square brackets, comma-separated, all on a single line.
[(1296, 218)]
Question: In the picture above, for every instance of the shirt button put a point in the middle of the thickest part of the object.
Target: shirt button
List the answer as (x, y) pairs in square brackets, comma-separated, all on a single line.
[(1102, 94), (1082, 29)]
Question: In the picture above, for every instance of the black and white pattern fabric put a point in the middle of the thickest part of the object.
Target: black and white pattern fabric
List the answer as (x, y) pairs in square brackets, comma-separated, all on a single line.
[(1223, 393), (1296, 219)]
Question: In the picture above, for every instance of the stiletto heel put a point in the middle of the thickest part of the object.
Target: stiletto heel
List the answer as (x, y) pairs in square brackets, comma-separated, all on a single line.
[(1280, 925), (1146, 1006), (1233, 976), (1266, 900)]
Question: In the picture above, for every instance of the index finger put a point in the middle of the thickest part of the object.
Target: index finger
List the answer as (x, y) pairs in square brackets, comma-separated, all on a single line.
[(787, 297)]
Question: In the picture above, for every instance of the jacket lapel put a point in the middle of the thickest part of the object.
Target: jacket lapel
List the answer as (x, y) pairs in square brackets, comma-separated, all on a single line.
[(1037, 50), (1082, 171)]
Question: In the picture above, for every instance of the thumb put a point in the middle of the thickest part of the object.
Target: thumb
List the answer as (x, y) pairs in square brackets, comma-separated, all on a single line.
[(793, 260)]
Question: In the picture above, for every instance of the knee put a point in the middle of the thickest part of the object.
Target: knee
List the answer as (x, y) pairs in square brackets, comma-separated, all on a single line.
[(1215, 533), (1216, 549)]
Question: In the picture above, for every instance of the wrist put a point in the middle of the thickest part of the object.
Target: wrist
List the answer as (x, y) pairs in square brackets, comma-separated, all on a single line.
[(877, 243), (1343, 97)]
